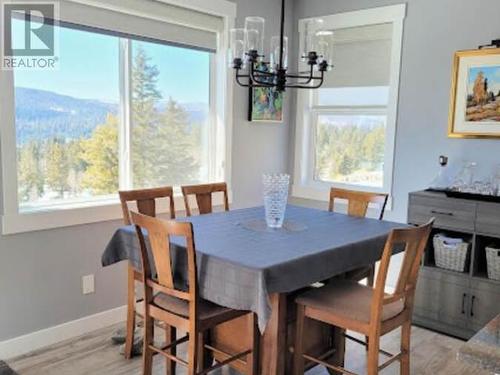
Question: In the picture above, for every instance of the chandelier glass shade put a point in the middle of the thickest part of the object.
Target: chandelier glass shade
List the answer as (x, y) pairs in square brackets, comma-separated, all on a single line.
[(247, 58)]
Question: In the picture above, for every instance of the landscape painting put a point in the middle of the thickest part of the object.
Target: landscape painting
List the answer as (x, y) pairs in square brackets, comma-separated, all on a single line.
[(483, 94), (475, 94), (266, 105)]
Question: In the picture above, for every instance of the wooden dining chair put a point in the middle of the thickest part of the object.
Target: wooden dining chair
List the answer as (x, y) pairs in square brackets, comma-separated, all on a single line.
[(357, 205), (146, 202), (182, 308), (349, 305), (204, 194)]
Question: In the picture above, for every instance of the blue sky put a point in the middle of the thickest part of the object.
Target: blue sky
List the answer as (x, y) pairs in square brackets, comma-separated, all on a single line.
[(88, 68), (490, 72)]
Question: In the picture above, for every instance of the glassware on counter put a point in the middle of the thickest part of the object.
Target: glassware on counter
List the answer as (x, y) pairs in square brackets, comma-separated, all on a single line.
[(496, 180), (464, 180)]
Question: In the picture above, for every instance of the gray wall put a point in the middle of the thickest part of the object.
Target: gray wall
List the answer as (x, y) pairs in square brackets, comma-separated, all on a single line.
[(40, 272), (258, 147), (434, 30)]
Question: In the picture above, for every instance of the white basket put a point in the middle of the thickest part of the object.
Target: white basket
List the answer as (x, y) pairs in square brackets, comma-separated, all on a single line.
[(493, 262), (450, 256)]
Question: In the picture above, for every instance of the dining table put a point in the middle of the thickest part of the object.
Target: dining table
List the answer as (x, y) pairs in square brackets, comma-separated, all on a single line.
[(245, 265)]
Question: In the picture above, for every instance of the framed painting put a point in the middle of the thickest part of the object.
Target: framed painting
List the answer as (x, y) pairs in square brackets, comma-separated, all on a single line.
[(475, 94), (265, 105)]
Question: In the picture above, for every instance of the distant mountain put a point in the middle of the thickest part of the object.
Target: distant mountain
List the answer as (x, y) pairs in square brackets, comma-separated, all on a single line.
[(198, 112), (44, 114)]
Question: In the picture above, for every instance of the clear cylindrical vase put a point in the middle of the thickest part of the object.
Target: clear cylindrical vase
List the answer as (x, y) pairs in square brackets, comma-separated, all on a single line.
[(275, 198)]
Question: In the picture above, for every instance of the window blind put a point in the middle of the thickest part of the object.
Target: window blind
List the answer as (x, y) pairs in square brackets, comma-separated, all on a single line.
[(147, 19), (362, 57)]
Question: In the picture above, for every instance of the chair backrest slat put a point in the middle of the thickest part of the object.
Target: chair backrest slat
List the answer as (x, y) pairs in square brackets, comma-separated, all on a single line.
[(358, 201), (414, 241), (146, 201), (159, 233), (203, 194)]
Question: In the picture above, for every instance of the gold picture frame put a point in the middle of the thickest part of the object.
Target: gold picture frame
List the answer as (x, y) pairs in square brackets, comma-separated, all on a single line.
[(472, 114)]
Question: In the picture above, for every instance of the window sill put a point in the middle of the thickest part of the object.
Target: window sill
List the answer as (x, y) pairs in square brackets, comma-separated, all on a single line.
[(66, 217)]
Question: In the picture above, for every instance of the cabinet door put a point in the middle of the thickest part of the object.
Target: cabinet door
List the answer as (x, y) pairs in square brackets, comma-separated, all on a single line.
[(442, 297), (484, 304), (453, 304), (427, 298)]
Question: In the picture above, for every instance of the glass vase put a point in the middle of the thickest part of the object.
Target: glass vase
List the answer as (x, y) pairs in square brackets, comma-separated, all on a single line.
[(275, 198)]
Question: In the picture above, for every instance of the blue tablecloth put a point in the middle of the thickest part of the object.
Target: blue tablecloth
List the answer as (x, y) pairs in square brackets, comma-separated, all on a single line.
[(239, 267)]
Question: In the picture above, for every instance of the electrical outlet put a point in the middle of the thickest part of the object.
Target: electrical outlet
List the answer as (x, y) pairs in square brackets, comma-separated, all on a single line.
[(88, 284)]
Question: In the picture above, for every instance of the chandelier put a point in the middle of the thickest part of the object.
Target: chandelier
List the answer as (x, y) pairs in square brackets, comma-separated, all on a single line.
[(246, 55)]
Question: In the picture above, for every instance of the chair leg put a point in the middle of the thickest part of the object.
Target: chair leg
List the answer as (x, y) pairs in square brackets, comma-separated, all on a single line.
[(192, 354), (129, 339), (370, 281), (373, 352), (170, 336), (147, 353), (201, 351), (371, 276), (405, 348), (298, 359), (252, 362)]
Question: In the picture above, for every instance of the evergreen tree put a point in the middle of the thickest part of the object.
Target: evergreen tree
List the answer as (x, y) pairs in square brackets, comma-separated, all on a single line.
[(374, 146), (174, 163), (100, 155), (30, 177), (145, 117), (163, 141), (57, 166)]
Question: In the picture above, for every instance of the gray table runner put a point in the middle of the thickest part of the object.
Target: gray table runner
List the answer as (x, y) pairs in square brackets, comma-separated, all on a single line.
[(239, 267)]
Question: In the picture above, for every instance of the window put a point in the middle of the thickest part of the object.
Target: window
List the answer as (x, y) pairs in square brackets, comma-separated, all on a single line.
[(130, 105), (68, 124), (170, 119), (348, 125)]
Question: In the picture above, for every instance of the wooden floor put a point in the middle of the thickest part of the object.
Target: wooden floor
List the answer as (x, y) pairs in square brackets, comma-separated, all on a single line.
[(432, 354)]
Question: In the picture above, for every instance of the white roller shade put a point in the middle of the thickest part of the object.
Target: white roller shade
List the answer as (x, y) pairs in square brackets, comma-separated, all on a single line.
[(146, 18), (362, 57)]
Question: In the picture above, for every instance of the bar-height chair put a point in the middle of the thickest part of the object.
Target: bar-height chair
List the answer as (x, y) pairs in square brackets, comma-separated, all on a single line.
[(357, 205), (204, 194), (370, 311), (146, 200), (180, 308)]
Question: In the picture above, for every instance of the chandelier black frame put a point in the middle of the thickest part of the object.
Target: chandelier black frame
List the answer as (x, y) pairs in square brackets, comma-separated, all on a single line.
[(260, 75)]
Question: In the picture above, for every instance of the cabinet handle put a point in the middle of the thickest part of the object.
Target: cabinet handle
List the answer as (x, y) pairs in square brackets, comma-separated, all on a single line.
[(441, 213), (463, 302), (472, 306)]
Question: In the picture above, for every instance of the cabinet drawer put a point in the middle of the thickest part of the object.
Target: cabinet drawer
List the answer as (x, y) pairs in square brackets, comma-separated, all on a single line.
[(454, 214), (488, 218)]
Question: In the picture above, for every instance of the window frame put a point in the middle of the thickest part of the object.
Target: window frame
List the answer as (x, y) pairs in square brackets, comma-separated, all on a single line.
[(221, 100), (304, 184)]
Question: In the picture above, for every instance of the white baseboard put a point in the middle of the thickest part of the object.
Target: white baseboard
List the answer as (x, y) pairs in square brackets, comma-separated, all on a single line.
[(33, 341)]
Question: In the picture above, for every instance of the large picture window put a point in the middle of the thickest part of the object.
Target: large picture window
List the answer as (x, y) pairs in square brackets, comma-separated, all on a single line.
[(130, 104), (69, 123)]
